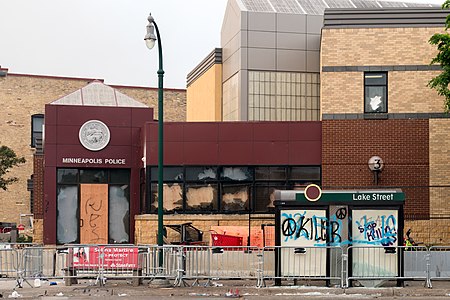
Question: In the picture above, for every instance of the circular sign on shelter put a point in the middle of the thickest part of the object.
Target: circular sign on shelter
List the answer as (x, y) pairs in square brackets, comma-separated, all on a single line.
[(313, 192), (94, 135), (21, 227)]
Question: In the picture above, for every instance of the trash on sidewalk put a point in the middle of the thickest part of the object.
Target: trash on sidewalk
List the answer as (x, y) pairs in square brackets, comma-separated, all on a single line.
[(122, 295), (233, 294), (15, 294), (60, 294)]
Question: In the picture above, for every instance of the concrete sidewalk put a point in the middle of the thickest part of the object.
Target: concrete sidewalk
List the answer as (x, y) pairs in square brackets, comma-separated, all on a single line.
[(218, 290)]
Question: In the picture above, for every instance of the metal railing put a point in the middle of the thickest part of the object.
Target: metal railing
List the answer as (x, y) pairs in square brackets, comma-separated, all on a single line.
[(336, 266)]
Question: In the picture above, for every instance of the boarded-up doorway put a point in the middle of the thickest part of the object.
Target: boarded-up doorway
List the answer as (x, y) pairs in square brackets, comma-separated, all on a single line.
[(94, 214)]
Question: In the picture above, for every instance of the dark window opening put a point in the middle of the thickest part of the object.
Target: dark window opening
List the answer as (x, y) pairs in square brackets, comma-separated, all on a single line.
[(37, 124), (375, 92)]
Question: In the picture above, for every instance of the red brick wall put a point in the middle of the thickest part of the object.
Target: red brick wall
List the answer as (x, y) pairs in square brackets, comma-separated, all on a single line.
[(38, 186), (402, 144)]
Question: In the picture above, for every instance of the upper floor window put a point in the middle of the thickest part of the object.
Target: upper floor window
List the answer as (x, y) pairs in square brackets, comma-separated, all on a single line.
[(375, 92), (37, 124)]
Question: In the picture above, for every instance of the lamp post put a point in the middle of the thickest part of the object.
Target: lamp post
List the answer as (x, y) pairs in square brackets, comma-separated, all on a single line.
[(150, 40)]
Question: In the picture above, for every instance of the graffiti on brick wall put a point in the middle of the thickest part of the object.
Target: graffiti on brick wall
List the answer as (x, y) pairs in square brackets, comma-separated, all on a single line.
[(369, 227)]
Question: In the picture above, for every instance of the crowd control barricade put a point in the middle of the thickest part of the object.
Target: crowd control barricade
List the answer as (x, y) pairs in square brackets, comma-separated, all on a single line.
[(218, 263), (439, 265), (9, 262), (160, 261), (378, 264), (43, 262), (303, 263)]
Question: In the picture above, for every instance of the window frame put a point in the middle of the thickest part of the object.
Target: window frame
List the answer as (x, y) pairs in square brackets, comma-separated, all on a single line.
[(33, 131), (385, 85)]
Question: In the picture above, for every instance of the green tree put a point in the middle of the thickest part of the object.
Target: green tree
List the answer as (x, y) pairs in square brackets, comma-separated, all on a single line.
[(8, 160), (442, 41)]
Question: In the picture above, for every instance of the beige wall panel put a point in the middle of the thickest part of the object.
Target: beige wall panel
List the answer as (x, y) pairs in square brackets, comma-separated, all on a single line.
[(204, 96)]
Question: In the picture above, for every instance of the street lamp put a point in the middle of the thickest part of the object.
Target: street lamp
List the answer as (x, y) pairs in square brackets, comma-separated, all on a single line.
[(150, 40)]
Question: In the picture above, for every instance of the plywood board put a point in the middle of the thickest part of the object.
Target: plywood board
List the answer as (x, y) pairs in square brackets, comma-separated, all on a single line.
[(94, 214)]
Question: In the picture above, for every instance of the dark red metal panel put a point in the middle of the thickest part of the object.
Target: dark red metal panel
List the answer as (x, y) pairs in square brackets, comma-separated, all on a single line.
[(50, 114), (141, 115), (305, 131), (50, 206), (270, 153), (235, 153), (200, 152), (200, 132), (174, 153), (235, 131), (50, 134), (270, 131), (173, 132), (72, 114), (50, 155), (305, 153)]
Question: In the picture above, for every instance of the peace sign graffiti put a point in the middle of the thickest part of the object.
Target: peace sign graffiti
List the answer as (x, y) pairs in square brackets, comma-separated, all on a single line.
[(289, 227), (341, 213)]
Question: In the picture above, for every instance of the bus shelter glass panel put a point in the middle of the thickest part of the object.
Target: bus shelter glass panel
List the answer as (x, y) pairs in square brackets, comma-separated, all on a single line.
[(375, 236), (301, 229)]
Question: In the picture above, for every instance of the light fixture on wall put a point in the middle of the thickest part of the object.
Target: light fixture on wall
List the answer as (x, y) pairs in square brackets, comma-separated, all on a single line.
[(376, 165)]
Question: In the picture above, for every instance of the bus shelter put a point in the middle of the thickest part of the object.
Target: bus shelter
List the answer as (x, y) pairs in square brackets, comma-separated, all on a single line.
[(310, 224)]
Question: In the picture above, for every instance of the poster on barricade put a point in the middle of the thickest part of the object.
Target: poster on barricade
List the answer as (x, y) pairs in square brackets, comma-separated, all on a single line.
[(114, 257)]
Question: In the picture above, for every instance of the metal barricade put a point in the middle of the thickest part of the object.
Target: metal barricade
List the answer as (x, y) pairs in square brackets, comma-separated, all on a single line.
[(439, 264), (219, 263), (9, 263), (42, 262), (378, 264), (303, 263)]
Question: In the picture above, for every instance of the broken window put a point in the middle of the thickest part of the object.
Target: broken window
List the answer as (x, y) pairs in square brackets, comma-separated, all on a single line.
[(173, 197), (270, 173), (236, 173), (201, 197), (265, 195), (67, 215), (235, 197), (169, 174), (305, 173), (201, 173), (119, 214)]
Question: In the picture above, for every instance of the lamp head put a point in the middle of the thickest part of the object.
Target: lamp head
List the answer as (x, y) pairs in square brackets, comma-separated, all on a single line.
[(150, 38)]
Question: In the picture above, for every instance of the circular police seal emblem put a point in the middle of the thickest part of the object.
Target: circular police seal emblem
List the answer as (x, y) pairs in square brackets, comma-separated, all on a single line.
[(94, 135)]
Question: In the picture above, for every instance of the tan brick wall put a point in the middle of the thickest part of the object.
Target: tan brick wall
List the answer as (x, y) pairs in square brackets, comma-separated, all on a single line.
[(23, 96), (147, 225), (439, 167), (343, 92), (377, 46), (430, 232), (38, 231)]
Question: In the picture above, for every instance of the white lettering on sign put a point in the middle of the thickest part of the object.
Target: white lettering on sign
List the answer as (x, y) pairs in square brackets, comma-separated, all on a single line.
[(375, 196), (98, 161)]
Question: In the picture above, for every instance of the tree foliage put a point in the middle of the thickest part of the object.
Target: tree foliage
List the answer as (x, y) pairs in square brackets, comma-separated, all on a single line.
[(8, 160), (442, 41)]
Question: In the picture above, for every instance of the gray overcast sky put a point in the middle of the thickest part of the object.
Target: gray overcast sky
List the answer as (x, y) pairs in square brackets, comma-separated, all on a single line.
[(104, 38)]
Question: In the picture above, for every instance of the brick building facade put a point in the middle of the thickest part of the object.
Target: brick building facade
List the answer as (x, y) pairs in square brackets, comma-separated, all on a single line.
[(408, 133), (26, 95)]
